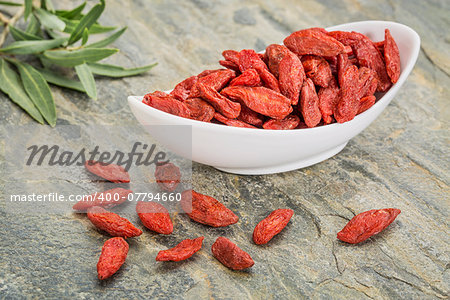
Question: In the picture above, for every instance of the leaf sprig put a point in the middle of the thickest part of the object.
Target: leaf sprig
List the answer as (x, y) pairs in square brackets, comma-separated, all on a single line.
[(55, 38)]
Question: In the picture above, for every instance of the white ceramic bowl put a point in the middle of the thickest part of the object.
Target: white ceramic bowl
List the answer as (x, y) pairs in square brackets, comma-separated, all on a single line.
[(258, 151)]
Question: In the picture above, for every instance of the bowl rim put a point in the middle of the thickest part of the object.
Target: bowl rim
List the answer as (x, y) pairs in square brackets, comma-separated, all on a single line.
[(381, 97)]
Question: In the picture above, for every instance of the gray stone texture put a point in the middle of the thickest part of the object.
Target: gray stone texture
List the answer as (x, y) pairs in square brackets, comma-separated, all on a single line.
[(401, 160)]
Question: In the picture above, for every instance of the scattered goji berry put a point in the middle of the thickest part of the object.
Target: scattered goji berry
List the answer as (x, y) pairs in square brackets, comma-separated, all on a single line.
[(155, 217), (167, 176), (271, 225), (112, 223), (182, 251), (314, 41), (183, 89), (248, 78), (328, 99), (167, 104), (366, 224), (391, 56), (200, 109), (309, 104), (223, 105), (110, 172), (291, 76), (230, 255), (348, 104), (114, 253), (231, 122), (318, 69), (290, 122), (107, 198), (261, 100), (206, 210)]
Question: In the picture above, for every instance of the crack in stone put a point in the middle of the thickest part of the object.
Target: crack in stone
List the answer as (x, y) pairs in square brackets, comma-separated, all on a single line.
[(336, 260), (355, 289), (428, 57)]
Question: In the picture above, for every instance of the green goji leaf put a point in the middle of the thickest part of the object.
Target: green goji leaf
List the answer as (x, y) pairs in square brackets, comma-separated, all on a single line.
[(105, 42), (86, 22), (49, 20), (30, 47), (60, 80), (33, 26), (72, 14), (9, 3), (20, 35), (28, 8), (11, 85), (85, 37), (117, 71), (71, 58), (87, 80)]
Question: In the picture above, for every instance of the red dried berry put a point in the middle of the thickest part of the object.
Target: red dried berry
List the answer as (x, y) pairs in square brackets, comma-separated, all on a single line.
[(207, 72), (155, 217), (248, 78), (261, 100), (200, 109), (313, 41), (183, 89), (318, 69), (342, 64), (328, 99), (249, 59), (107, 198), (167, 176), (391, 56), (231, 122), (348, 104), (271, 225), (110, 172), (291, 76), (367, 82), (223, 105), (206, 210), (182, 251), (231, 55), (250, 117), (366, 224), (365, 103), (274, 54), (167, 104), (229, 65), (112, 223), (114, 253), (216, 80), (290, 122), (309, 104), (230, 255)]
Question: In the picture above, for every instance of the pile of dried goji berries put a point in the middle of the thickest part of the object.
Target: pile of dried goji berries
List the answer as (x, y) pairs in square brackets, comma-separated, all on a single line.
[(316, 78), (200, 208)]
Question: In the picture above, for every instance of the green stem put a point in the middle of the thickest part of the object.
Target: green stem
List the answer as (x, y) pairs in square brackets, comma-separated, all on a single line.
[(11, 22)]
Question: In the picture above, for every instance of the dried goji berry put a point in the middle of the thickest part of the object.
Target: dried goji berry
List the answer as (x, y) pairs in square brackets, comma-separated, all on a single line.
[(107, 198), (206, 210), (114, 253), (318, 69), (367, 82), (342, 64), (155, 217), (182, 251), (391, 56), (366, 53), (231, 122), (248, 78), (200, 109), (207, 72), (223, 105), (249, 59), (366, 102), (231, 55), (271, 225), (182, 90), (309, 104), (274, 54), (230, 255), (313, 41), (261, 100), (328, 99), (229, 65), (167, 104), (217, 80), (291, 76), (366, 224), (167, 176), (112, 223), (290, 122), (380, 46), (348, 104), (250, 117), (110, 172)]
